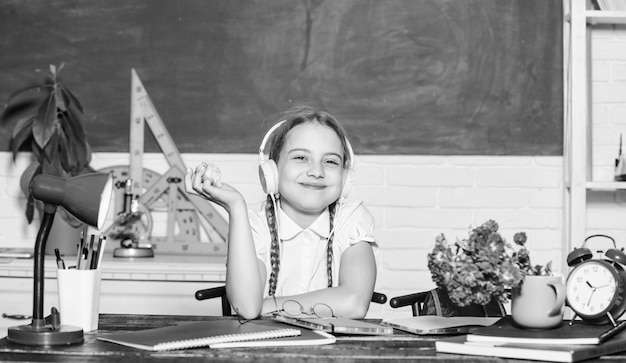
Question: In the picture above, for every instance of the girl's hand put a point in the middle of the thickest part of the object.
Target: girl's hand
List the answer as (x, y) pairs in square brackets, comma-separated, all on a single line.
[(206, 181)]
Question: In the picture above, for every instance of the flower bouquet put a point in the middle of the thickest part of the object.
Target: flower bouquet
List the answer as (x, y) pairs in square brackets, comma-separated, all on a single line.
[(482, 268)]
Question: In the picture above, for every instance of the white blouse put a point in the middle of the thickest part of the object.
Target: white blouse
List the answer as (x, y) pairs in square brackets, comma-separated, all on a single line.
[(303, 251)]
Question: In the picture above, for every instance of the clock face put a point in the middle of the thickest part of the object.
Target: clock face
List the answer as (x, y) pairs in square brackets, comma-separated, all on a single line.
[(593, 288)]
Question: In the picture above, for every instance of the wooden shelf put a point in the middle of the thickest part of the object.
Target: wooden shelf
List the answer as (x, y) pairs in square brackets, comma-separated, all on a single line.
[(605, 186), (605, 17)]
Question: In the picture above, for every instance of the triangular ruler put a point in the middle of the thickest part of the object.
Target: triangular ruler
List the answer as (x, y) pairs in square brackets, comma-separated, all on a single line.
[(143, 113)]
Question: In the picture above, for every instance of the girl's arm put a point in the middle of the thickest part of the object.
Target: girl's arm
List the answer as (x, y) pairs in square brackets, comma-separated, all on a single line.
[(245, 274), (352, 296)]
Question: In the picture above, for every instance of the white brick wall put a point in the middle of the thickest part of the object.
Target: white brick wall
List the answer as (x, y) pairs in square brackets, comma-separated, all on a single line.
[(413, 198)]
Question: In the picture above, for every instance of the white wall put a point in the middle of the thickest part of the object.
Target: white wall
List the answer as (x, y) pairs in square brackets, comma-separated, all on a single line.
[(413, 198)]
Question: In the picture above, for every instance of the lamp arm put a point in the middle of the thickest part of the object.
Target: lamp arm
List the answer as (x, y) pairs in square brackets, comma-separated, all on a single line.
[(40, 247)]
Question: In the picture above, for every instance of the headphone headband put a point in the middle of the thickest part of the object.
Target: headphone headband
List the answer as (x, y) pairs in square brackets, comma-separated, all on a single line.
[(267, 136), (277, 125)]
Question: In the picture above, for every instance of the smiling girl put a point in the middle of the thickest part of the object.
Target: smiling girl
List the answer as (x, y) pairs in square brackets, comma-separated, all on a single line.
[(308, 243)]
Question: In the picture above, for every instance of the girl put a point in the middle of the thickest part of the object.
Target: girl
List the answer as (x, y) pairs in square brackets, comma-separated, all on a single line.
[(306, 243)]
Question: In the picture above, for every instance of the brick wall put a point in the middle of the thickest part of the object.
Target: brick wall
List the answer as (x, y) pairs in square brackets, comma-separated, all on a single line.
[(413, 198)]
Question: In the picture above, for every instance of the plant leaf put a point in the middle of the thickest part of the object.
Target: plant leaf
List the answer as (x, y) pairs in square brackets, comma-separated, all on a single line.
[(33, 87), (71, 99), (51, 151), (21, 133), (43, 125), (18, 109), (59, 100), (36, 150), (30, 208), (74, 125)]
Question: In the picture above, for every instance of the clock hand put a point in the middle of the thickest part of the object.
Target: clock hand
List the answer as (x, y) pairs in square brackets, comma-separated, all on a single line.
[(593, 290)]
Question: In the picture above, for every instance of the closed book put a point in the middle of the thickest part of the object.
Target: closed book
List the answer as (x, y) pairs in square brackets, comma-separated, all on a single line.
[(578, 332), (433, 325), (199, 334), (540, 352)]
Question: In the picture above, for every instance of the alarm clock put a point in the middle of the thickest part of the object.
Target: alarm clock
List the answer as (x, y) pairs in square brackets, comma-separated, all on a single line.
[(596, 288)]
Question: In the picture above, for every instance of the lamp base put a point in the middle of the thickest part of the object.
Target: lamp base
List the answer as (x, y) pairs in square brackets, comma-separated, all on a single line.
[(45, 335), (130, 252)]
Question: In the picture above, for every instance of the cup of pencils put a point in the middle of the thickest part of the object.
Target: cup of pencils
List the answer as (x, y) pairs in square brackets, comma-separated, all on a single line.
[(79, 285)]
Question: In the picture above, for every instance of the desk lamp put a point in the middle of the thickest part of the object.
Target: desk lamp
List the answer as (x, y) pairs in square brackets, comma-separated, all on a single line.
[(87, 198)]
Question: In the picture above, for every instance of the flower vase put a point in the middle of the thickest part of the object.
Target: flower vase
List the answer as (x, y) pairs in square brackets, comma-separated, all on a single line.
[(439, 303)]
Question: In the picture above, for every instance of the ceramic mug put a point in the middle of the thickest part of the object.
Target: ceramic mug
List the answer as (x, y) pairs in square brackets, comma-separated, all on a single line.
[(539, 302)]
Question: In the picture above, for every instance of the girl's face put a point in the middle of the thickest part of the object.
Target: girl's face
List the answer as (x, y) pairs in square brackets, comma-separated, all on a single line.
[(310, 169)]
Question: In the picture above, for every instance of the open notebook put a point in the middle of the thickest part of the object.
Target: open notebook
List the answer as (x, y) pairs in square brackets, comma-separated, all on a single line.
[(200, 334)]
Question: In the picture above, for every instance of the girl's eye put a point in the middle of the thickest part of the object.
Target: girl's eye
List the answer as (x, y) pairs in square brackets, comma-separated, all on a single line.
[(333, 162), (300, 157)]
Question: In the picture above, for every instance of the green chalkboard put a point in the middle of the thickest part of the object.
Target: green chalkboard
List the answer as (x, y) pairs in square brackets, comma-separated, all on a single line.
[(432, 77)]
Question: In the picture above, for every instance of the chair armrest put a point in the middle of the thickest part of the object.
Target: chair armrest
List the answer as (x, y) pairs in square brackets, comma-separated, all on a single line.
[(415, 300), (211, 293), (379, 298), (406, 300)]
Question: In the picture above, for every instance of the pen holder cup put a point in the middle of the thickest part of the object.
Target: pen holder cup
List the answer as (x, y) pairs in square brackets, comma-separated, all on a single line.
[(79, 297)]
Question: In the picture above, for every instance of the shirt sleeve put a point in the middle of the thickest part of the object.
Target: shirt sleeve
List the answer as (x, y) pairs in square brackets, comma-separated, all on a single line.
[(356, 224), (260, 233)]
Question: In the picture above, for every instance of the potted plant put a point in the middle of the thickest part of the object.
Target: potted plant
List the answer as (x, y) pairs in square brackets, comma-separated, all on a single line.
[(49, 123), (482, 269)]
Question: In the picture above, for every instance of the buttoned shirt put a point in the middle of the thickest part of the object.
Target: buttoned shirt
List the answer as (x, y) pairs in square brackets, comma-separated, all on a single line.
[(302, 252)]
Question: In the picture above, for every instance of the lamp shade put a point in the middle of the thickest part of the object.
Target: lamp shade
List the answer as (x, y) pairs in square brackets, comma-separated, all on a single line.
[(86, 197)]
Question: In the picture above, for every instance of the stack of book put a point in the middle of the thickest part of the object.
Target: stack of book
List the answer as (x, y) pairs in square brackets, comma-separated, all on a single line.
[(565, 343)]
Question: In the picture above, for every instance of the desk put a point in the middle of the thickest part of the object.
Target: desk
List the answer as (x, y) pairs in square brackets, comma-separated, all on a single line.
[(400, 346), (164, 284)]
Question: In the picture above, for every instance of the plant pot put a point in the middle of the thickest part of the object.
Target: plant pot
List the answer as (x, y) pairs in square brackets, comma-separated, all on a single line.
[(538, 303), (438, 303)]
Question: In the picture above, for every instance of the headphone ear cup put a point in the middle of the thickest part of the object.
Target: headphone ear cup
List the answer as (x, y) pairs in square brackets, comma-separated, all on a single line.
[(268, 174), (578, 255), (347, 184)]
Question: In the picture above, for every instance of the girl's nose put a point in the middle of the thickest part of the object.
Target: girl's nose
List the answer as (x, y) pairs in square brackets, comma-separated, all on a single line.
[(316, 170)]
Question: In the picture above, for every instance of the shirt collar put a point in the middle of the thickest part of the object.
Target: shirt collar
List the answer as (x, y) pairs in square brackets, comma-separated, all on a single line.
[(288, 229)]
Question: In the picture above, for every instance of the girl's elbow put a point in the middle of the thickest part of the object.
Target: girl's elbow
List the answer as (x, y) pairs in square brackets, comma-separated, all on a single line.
[(244, 306), (247, 313), (357, 308)]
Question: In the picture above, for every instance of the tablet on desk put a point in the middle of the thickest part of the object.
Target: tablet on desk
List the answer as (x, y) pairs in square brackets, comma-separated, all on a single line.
[(337, 325), (16, 252)]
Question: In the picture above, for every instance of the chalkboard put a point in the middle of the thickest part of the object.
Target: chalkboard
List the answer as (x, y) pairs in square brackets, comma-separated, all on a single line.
[(431, 77)]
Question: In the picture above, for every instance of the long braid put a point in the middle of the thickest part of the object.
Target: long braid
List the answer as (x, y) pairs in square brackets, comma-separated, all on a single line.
[(329, 247), (270, 213)]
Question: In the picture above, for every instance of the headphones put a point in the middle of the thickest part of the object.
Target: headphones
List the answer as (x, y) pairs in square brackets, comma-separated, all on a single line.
[(268, 171), (581, 254)]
